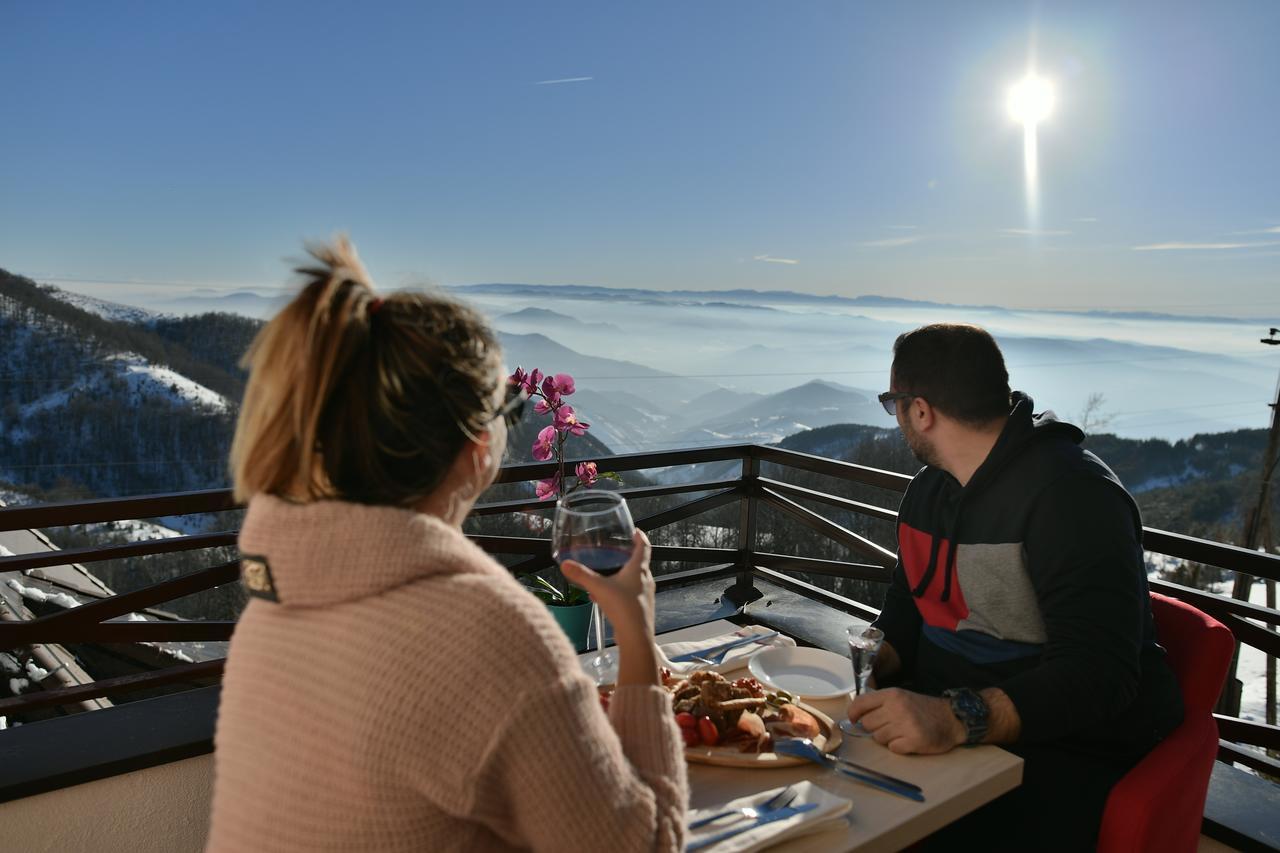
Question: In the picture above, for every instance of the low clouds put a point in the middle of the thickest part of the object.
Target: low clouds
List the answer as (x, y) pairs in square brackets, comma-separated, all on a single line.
[(563, 80), (1033, 232), (891, 242), (1176, 247), (769, 259)]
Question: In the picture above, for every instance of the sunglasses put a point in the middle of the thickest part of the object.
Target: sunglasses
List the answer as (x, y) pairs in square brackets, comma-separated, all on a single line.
[(512, 408), (889, 399)]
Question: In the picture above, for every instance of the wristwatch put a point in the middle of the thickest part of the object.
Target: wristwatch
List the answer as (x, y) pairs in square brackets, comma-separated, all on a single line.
[(970, 709)]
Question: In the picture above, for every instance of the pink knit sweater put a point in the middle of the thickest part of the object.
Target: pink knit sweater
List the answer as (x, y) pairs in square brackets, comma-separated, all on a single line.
[(406, 693)]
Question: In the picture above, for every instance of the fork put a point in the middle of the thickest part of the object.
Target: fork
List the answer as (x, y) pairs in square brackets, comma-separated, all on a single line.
[(717, 658), (782, 799)]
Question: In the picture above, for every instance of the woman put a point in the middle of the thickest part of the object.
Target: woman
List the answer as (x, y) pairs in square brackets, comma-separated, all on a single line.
[(390, 686)]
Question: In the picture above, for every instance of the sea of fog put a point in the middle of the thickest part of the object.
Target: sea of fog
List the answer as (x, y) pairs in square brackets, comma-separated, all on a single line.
[(1162, 377)]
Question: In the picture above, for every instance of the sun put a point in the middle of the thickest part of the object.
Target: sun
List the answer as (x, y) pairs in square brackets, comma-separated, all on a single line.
[(1030, 100)]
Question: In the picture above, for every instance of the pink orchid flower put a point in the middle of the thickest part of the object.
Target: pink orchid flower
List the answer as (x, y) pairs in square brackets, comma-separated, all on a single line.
[(562, 383), (543, 406), (547, 488), (545, 444), (567, 421), (532, 380), (517, 377), (587, 473)]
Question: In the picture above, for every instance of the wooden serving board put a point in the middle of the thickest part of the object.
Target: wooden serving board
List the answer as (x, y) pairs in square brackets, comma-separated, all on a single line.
[(729, 756)]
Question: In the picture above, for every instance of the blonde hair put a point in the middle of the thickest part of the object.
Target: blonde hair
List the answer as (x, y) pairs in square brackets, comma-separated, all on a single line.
[(355, 397)]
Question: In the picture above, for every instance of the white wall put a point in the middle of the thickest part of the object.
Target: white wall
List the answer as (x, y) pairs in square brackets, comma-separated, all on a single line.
[(163, 809)]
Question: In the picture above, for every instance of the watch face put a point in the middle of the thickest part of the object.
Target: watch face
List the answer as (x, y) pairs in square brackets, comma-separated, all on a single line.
[(971, 710)]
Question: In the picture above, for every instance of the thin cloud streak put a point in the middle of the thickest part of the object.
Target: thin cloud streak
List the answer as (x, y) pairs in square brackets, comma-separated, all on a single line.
[(1032, 232), (1173, 247), (891, 242), (563, 80), (768, 259)]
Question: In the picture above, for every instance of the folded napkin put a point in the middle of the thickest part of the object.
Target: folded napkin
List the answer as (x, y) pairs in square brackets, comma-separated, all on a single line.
[(828, 815), (735, 659)]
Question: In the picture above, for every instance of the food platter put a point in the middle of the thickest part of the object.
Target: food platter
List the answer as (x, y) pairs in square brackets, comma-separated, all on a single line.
[(729, 756)]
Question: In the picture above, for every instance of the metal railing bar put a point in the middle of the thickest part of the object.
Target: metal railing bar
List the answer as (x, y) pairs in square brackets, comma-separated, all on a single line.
[(832, 467), (687, 510), (1253, 635), (829, 568), (1230, 752), (28, 633), (131, 602), (500, 507), (831, 500), (1218, 604), (111, 686), (723, 570), (1248, 731), (1211, 553), (150, 547), (627, 462), (808, 590), (116, 509), (829, 528)]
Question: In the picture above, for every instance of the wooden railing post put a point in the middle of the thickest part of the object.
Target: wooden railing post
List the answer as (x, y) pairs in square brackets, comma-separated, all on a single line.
[(743, 591)]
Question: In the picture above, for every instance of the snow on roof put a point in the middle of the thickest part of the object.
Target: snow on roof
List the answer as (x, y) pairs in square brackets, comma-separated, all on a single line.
[(35, 594)]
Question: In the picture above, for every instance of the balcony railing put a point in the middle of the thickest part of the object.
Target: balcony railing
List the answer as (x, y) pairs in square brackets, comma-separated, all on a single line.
[(758, 481)]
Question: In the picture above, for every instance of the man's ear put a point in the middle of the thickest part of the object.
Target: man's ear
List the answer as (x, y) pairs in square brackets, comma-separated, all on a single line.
[(923, 416)]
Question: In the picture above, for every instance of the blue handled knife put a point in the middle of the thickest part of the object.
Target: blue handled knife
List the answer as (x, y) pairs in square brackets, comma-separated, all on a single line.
[(767, 817)]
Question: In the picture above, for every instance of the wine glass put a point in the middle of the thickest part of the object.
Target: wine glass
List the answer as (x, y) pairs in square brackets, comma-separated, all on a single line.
[(594, 528), (864, 645)]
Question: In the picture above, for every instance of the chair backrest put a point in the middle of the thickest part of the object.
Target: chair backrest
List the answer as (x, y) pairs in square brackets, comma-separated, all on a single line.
[(1200, 649)]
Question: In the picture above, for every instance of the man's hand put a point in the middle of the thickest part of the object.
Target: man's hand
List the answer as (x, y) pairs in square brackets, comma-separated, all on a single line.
[(908, 722)]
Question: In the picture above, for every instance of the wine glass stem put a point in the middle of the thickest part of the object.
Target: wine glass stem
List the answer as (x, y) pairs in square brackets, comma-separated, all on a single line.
[(598, 618)]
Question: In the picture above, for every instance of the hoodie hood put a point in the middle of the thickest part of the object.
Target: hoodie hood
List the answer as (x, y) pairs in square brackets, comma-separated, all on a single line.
[(328, 552), (1022, 428)]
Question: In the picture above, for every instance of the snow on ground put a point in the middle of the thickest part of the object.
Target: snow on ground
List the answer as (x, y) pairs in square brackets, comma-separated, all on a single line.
[(101, 307), (127, 531), (150, 380)]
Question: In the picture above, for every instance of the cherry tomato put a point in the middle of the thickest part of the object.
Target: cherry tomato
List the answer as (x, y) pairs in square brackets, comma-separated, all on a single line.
[(690, 737), (707, 731), (685, 720)]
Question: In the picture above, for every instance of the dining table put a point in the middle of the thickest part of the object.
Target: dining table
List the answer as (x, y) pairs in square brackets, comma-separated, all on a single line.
[(953, 784)]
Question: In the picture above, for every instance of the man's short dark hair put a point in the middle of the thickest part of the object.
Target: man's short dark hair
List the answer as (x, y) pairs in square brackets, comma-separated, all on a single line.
[(958, 368)]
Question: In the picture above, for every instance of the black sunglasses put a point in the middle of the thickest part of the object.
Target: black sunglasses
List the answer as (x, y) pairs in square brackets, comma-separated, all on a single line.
[(889, 399), (512, 408)]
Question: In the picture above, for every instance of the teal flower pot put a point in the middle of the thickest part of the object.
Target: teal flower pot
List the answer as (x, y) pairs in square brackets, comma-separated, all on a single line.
[(575, 621)]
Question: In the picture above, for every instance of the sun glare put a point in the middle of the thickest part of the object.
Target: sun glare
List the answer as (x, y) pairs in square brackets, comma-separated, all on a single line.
[(1030, 100)]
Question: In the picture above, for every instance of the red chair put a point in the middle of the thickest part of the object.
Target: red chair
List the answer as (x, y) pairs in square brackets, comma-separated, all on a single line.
[(1158, 804)]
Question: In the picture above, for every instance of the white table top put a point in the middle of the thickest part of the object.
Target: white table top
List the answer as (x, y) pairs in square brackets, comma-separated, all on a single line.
[(954, 784)]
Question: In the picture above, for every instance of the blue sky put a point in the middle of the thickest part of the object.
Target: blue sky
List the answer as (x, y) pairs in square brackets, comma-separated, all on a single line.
[(843, 148)]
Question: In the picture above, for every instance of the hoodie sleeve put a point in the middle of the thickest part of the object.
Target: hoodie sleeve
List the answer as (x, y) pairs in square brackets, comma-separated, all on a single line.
[(900, 620), (1084, 557)]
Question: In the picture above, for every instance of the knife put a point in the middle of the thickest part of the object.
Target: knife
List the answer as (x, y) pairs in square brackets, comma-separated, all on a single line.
[(902, 783), (724, 647), (767, 817), (911, 793)]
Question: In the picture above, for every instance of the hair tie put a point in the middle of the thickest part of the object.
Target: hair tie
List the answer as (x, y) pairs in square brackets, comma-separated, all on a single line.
[(375, 306)]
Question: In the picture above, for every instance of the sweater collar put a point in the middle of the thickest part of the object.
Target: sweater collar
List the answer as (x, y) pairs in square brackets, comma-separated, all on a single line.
[(328, 552)]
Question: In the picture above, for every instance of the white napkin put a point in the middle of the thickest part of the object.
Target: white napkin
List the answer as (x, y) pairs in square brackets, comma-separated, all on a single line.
[(828, 815), (735, 659)]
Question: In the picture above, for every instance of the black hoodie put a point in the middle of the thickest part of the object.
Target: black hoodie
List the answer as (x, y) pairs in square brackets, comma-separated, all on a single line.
[(1030, 578)]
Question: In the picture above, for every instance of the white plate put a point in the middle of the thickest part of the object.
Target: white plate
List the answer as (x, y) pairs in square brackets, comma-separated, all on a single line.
[(808, 673)]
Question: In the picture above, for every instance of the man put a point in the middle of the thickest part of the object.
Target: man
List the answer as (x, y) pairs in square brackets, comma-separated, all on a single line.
[(1018, 613)]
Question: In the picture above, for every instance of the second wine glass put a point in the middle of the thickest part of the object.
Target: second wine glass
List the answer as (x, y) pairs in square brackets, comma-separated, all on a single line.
[(594, 527), (864, 646)]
